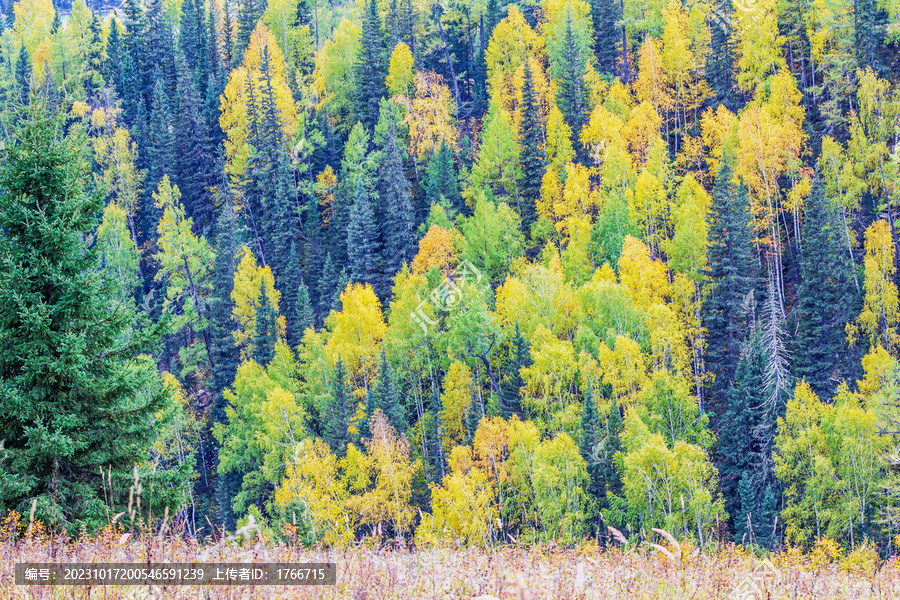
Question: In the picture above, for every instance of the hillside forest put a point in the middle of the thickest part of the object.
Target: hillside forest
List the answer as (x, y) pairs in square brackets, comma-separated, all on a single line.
[(455, 272)]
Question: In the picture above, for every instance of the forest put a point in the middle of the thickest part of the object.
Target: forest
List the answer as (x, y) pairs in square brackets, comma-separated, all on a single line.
[(453, 272)]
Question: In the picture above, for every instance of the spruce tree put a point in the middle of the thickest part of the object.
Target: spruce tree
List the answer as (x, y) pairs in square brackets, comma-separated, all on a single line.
[(112, 66), (229, 239), (388, 395), (313, 247), (327, 284), (336, 418), (398, 220), (159, 147), (304, 317), (720, 64), (737, 450), (74, 396), (193, 41), (572, 93), (362, 239), (590, 436), (364, 423), (604, 15), (732, 276), (828, 298), (195, 170), (609, 479), (370, 68), (441, 183), (511, 383), (23, 74), (533, 157), (93, 77), (266, 333), (474, 414), (249, 13)]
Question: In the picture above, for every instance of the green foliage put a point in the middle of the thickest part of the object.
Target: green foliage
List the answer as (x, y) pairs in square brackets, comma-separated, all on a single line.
[(74, 388)]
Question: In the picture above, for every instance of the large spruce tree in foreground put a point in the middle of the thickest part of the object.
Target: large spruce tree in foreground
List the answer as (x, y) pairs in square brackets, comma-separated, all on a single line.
[(74, 396)]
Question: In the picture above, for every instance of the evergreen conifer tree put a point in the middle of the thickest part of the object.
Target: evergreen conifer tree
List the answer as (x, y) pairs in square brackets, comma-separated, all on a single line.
[(533, 157), (732, 276), (362, 239), (737, 450), (605, 14), (195, 164), (249, 14), (828, 299), (720, 64), (23, 74), (396, 200), (511, 383), (370, 68), (441, 183), (387, 394), (336, 419), (73, 392), (229, 239), (266, 333), (303, 313), (590, 435), (572, 94)]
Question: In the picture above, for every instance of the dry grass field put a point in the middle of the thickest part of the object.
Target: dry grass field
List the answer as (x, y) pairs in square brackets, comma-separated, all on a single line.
[(667, 571)]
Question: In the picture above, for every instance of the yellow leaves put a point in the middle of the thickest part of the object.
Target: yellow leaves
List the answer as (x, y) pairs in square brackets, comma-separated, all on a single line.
[(512, 42), (879, 368), (641, 130), (243, 97), (831, 28), (604, 129), (462, 511), (313, 488), (399, 79), (116, 154), (491, 445), (80, 109), (785, 99), (550, 385), (539, 296), (717, 127), (435, 250), (770, 143), (651, 85), (879, 316), (263, 42), (248, 279), (389, 501), (356, 334), (624, 367), (759, 45), (455, 400), (430, 115), (333, 76), (842, 186), (687, 250), (559, 141), (32, 23), (326, 183), (574, 199), (646, 279)]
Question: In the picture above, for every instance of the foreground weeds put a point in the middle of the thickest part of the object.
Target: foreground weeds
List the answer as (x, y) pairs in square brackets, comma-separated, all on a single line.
[(662, 571)]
